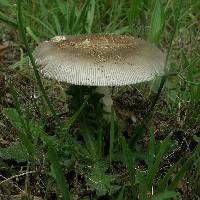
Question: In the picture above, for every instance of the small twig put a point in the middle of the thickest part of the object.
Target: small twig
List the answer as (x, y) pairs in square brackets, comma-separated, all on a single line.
[(27, 179), (189, 82), (16, 176), (13, 184)]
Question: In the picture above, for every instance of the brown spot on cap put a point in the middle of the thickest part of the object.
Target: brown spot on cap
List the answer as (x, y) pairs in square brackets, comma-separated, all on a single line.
[(77, 59)]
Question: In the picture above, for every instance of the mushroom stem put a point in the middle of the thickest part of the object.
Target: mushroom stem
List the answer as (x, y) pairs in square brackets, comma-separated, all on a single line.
[(106, 99)]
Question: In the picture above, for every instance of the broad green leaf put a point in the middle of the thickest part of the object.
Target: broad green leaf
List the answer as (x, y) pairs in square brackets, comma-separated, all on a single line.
[(89, 140), (77, 150), (98, 180), (15, 151), (17, 122), (56, 167)]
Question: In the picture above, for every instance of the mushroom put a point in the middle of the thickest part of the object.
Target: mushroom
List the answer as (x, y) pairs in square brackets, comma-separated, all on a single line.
[(100, 60)]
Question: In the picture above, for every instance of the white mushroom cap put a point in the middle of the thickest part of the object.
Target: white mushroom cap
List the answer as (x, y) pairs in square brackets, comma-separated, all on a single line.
[(99, 60)]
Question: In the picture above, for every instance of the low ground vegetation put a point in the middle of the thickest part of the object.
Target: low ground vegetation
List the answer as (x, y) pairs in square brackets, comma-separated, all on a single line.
[(73, 152)]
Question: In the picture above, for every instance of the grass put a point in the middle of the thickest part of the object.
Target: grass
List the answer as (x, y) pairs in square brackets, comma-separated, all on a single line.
[(56, 135)]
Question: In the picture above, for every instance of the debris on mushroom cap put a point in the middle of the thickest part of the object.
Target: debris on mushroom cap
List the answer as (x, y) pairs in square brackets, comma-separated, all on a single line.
[(99, 59)]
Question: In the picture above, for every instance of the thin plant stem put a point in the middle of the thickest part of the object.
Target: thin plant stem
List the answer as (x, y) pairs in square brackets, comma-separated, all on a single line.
[(37, 75), (9, 22), (164, 78), (162, 82)]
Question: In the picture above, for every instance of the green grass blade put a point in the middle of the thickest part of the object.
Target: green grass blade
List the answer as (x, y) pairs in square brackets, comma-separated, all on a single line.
[(184, 169), (72, 16), (165, 195), (163, 182), (121, 30), (129, 159), (33, 36), (154, 168), (58, 174), (65, 128), (6, 3), (80, 18), (157, 22), (133, 11), (62, 7), (100, 142), (112, 136), (151, 150), (45, 25), (142, 189), (90, 16), (37, 75), (121, 194), (57, 24), (7, 20), (44, 12)]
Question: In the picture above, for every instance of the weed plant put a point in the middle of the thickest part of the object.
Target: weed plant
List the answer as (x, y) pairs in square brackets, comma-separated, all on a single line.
[(76, 154)]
